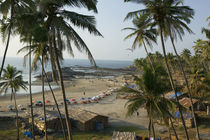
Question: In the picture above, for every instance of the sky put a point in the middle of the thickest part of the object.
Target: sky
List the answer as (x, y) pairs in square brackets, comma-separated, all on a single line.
[(110, 22)]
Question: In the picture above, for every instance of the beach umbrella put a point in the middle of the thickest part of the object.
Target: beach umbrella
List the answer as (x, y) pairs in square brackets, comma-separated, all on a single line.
[(94, 98), (72, 100), (10, 106), (47, 101), (39, 102), (97, 97), (20, 105)]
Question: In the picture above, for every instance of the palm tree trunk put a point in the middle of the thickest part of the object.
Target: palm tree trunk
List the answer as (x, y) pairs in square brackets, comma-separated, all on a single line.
[(5, 52), (8, 40), (16, 110), (171, 80), (53, 66), (169, 130), (43, 97), (68, 123), (169, 133), (188, 88), (150, 60), (149, 128), (59, 113), (153, 129), (30, 92), (172, 125)]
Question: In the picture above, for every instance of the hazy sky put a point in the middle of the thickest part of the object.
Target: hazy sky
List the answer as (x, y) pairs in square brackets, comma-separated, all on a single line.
[(110, 18)]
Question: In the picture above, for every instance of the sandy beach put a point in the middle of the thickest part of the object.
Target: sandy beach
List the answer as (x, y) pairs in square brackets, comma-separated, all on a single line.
[(108, 106)]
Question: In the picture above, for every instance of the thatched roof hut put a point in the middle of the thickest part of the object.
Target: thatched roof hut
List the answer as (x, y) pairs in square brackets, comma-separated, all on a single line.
[(53, 121), (87, 120), (80, 119), (187, 104)]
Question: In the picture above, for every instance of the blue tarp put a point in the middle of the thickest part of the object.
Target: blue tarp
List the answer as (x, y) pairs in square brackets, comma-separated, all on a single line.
[(28, 134), (186, 115), (177, 114), (178, 94), (132, 86), (39, 102)]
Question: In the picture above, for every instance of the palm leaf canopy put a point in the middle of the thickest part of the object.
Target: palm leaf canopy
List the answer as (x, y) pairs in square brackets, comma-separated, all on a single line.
[(17, 6), (149, 93), (142, 32), (12, 79), (59, 21), (169, 15)]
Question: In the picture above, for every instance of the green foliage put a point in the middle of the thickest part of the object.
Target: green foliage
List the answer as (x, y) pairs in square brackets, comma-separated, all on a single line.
[(10, 134), (142, 32), (12, 79), (149, 93)]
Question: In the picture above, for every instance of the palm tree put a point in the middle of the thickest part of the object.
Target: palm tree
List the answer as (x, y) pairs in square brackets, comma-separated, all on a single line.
[(56, 104), (171, 60), (14, 7), (12, 79), (151, 88), (186, 54), (61, 34), (28, 27), (43, 96), (139, 64), (202, 48), (143, 34), (38, 52), (163, 11)]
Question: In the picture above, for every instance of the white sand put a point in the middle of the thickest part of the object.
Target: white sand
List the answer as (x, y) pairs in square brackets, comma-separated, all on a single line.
[(109, 106)]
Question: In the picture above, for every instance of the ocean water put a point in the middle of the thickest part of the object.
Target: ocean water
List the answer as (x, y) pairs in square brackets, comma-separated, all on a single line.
[(76, 65)]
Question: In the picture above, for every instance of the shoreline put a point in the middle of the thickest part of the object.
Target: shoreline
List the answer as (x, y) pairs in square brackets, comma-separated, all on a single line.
[(70, 76), (108, 106)]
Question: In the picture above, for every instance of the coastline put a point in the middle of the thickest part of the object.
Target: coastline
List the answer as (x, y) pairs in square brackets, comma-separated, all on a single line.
[(109, 106)]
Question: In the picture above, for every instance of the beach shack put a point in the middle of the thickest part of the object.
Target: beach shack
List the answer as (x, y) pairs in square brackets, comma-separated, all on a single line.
[(86, 121), (185, 102), (53, 121), (170, 95)]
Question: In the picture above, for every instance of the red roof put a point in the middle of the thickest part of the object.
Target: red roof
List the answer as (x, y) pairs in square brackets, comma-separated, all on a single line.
[(186, 102)]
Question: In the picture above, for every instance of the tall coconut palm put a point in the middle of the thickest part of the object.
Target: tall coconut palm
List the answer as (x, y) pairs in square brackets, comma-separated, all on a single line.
[(28, 27), (143, 34), (202, 48), (12, 81), (162, 11), (14, 7), (43, 96), (59, 24), (40, 48), (37, 51), (176, 27), (151, 87), (186, 54)]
